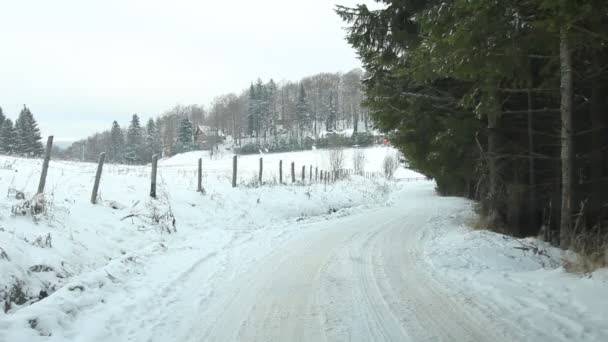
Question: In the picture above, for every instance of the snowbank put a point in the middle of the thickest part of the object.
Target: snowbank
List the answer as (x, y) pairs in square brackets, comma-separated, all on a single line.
[(522, 279)]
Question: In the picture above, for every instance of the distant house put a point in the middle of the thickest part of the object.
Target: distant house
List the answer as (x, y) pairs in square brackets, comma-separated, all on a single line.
[(207, 136)]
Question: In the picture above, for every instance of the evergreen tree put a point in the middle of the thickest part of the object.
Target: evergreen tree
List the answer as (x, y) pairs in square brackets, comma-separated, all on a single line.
[(302, 113), (185, 135), (117, 142), (7, 137), (28, 134), (2, 117), (152, 140), (134, 148), (469, 90), (262, 105)]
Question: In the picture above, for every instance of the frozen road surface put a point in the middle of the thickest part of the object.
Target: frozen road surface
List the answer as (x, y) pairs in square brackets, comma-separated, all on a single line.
[(359, 278)]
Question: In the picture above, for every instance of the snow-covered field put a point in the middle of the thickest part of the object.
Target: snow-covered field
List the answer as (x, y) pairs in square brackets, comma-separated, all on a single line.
[(74, 240), (361, 259)]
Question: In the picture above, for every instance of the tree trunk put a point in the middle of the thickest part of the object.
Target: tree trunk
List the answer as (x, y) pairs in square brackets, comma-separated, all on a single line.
[(532, 206), (567, 140), (597, 126), (494, 113)]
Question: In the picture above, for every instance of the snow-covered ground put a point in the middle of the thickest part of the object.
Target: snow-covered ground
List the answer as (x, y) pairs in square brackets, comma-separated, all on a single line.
[(521, 281), (357, 260), (74, 239)]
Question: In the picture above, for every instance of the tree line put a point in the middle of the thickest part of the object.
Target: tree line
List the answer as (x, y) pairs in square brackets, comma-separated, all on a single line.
[(267, 115), (21, 138), (501, 101)]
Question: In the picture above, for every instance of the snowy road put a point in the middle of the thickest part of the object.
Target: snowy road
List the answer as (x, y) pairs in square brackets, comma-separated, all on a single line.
[(359, 278), (404, 272)]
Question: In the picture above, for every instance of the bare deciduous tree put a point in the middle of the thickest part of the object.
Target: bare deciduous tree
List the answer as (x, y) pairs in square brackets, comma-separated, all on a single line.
[(390, 165), (359, 161), (336, 159)]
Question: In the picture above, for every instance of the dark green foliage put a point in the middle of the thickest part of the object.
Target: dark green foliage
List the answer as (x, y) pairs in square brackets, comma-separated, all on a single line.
[(8, 137), (117, 142), (152, 140), (469, 91), (185, 136), (302, 111), (28, 141), (134, 147)]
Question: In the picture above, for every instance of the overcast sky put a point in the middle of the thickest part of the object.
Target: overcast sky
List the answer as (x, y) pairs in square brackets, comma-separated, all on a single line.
[(80, 64)]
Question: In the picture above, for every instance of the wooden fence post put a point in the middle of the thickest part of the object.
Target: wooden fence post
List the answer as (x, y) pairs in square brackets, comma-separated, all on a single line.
[(303, 173), (261, 169), (102, 158), (311, 173), (316, 173), (293, 172), (153, 180), (280, 172), (45, 164), (199, 186), (234, 166)]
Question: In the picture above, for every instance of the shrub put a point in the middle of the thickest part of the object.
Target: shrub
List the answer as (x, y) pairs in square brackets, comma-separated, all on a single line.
[(336, 159), (359, 161), (390, 165)]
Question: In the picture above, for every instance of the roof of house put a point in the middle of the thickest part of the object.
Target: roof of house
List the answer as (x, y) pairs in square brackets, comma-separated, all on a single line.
[(208, 131)]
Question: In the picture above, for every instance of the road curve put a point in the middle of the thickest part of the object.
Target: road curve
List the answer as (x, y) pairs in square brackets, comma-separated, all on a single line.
[(358, 278)]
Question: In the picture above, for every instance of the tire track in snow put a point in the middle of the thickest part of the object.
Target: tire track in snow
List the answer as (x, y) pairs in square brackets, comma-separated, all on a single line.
[(359, 278)]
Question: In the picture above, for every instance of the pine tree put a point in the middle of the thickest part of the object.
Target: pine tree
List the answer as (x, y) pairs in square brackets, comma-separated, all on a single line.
[(302, 112), (7, 137), (185, 135), (134, 146), (117, 142), (152, 140), (262, 105), (2, 117), (28, 134)]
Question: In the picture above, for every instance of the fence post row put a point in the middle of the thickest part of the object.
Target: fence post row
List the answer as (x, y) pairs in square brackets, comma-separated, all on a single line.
[(234, 171), (153, 178), (102, 157), (261, 169), (45, 164)]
